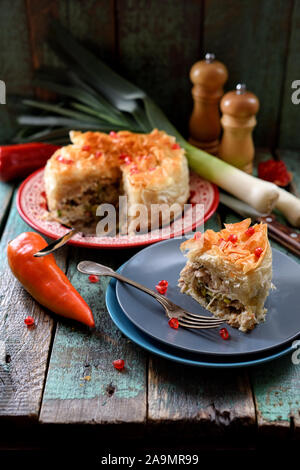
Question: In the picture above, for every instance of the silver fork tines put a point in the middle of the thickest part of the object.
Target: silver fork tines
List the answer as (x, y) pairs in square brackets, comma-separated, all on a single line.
[(185, 318)]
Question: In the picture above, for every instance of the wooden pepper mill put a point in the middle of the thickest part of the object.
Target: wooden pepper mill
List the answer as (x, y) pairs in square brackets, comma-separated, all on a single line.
[(208, 77), (239, 108)]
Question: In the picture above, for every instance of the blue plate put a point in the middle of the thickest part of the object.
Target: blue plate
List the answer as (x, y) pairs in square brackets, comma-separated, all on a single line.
[(164, 260), (174, 354)]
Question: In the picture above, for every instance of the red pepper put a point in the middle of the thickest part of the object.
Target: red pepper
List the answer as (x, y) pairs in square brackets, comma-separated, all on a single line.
[(274, 171), (44, 280), (18, 161)]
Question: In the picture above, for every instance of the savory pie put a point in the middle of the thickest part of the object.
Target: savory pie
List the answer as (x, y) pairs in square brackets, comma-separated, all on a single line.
[(230, 272), (97, 168)]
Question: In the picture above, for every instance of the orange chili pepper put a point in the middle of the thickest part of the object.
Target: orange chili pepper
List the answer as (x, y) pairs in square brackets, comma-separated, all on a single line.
[(44, 280)]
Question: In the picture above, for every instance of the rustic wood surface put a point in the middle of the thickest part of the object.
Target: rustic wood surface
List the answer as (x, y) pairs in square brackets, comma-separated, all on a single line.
[(61, 372)]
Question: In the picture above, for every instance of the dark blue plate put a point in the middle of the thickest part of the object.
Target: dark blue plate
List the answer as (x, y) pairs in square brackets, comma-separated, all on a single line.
[(164, 260), (174, 354)]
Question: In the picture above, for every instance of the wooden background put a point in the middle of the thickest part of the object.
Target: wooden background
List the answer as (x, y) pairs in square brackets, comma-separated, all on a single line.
[(155, 42)]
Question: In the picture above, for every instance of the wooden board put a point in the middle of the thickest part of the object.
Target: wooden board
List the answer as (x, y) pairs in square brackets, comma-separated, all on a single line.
[(24, 352), (276, 385), (158, 44), (82, 385), (289, 118), (15, 60), (179, 393), (251, 38)]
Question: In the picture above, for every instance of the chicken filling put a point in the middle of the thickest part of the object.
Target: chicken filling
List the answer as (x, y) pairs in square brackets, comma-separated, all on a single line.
[(213, 290), (81, 209)]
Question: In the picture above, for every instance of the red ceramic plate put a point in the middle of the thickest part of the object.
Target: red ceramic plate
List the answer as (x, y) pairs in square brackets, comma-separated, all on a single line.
[(31, 204)]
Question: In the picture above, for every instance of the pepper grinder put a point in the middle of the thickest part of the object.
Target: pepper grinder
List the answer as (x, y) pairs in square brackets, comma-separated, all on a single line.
[(239, 108), (208, 77)]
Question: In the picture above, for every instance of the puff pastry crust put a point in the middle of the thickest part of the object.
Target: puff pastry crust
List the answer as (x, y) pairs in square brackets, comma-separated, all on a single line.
[(228, 278), (96, 168)]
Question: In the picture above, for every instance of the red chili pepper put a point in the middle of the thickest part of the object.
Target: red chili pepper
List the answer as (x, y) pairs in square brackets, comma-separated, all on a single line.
[(44, 280), (18, 161)]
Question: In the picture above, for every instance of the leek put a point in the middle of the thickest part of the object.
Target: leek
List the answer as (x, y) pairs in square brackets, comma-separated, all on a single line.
[(97, 98)]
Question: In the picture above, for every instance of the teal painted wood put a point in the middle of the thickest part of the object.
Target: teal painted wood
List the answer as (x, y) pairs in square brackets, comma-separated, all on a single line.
[(24, 352), (82, 385), (276, 385), (289, 130), (158, 44), (6, 192), (251, 38), (218, 403)]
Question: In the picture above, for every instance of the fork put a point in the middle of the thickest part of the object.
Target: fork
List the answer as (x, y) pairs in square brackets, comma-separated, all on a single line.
[(185, 318)]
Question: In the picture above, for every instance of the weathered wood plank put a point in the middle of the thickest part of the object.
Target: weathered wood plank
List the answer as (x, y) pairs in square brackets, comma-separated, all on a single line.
[(82, 385), (289, 130), (158, 43), (24, 352), (39, 14), (15, 61), (276, 385), (216, 402), (251, 38)]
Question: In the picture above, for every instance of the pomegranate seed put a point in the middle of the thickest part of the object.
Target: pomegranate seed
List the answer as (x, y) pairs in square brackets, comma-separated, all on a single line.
[(93, 278), (173, 322), (232, 238), (134, 171), (29, 321), (43, 194), (197, 235), (86, 148), (163, 283), (126, 159), (250, 231), (175, 146), (258, 251), (224, 333), (66, 161), (161, 289), (113, 134), (98, 154), (119, 364)]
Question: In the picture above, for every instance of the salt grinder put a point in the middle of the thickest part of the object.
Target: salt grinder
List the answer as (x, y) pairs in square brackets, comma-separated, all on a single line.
[(239, 108), (208, 77)]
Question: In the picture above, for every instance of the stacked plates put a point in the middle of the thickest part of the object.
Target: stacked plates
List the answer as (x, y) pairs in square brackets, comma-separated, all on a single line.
[(141, 318)]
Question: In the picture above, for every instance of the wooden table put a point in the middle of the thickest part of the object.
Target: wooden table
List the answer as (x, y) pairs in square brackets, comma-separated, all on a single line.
[(61, 373)]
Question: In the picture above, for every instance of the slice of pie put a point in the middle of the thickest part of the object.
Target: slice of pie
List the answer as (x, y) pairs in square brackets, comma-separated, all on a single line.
[(151, 170), (230, 272)]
